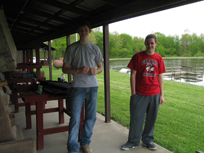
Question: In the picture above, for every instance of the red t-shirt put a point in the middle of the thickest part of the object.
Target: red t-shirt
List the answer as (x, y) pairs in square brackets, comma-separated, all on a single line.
[(148, 68)]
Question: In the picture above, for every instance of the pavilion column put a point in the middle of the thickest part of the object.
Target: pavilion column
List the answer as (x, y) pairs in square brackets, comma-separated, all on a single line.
[(49, 55), (68, 43), (106, 72), (28, 59), (37, 53), (31, 59), (20, 56), (24, 58)]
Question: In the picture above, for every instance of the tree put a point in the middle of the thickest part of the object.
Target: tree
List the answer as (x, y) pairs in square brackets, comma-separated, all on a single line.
[(138, 44), (170, 46), (60, 45), (74, 38), (127, 43), (177, 42), (184, 44), (99, 40), (161, 39), (92, 38), (195, 44), (160, 50), (115, 44)]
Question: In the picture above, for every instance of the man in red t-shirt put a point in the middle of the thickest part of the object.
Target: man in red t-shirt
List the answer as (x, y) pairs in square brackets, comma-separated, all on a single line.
[(146, 94)]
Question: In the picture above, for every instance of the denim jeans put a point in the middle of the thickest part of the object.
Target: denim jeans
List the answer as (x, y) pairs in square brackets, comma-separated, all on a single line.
[(77, 99)]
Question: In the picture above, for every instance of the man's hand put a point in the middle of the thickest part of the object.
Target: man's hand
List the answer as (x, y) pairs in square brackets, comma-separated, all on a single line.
[(84, 69), (161, 100), (93, 71)]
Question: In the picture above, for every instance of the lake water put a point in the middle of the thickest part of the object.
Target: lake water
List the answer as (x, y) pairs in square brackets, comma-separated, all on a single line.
[(199, 62)]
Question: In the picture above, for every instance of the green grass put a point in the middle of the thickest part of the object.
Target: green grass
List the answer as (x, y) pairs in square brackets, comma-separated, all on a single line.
[(180, 123)]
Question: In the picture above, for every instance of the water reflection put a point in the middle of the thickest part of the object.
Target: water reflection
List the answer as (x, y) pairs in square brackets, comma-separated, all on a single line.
[(199, 83), (118, 64)]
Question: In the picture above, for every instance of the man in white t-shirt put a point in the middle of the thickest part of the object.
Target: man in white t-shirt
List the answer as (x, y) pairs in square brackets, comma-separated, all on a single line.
[(79, 60)]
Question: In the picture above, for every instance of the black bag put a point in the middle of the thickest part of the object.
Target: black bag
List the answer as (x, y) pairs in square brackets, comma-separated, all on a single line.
[(56, 88)]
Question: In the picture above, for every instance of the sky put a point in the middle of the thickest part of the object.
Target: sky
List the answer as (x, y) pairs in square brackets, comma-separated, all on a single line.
[(169, 22)]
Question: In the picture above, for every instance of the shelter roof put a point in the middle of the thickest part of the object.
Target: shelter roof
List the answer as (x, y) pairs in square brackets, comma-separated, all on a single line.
[(35, 21)]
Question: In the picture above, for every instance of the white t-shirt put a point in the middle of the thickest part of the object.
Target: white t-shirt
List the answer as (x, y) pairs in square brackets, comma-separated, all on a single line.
[(80, 55)]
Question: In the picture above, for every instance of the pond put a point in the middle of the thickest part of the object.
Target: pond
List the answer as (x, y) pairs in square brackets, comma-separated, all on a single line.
[(193, 62)]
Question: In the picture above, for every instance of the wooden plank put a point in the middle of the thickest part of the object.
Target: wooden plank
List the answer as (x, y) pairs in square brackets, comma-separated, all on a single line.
[(39, 125), (28, 66), (53, 130)]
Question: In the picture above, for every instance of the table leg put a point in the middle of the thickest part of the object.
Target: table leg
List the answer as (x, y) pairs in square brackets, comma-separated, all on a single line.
[(44, 102), (61, 112), (28, 116), (39, 125), (15, 100)]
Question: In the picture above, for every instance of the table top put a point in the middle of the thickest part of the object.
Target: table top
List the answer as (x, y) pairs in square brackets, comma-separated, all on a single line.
[(31, 96), (21, 80)]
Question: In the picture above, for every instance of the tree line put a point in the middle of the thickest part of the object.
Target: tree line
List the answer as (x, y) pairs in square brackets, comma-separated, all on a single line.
[(125, 46)]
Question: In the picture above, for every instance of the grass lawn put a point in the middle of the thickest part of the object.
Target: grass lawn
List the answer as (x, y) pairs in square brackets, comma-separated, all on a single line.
[(180, 123)]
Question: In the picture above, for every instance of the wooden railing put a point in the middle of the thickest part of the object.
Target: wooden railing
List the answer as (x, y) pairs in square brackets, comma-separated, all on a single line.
[(189, 73)]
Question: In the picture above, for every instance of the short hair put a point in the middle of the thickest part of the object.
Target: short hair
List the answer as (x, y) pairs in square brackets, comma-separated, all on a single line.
[(83, 23), (151, 36)]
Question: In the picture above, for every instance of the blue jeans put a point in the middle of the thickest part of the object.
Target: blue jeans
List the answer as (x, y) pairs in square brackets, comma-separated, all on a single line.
[(77, 99)]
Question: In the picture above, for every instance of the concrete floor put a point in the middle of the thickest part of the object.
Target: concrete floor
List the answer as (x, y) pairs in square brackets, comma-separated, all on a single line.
[(107, 137)]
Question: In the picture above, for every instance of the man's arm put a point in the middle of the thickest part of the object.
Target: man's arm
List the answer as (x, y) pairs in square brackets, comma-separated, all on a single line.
[(68, 70), (98, 70), (161, 83), (133, 81)]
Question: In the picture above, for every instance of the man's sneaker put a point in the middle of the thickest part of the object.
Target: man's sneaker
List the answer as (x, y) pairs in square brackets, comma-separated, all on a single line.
[(128, 146), (150, 146), (86, 149)]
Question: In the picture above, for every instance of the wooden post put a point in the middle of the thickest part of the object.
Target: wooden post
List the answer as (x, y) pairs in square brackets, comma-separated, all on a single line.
[(31, 59), (49, 55), (28, 59), (106, 72), (24, 58), (20, 56), (68, 43), (37, 52)]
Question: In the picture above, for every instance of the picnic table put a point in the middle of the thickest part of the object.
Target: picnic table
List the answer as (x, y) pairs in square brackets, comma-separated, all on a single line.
[(39, 100), (16, 87)]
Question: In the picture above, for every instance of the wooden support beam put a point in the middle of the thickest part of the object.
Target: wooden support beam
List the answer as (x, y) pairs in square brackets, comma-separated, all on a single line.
[(24, 58), (106, 72), (31, 59), (28, 59), (20, 56), (67, 7), (68, 43), (37, 52), (49, 55)]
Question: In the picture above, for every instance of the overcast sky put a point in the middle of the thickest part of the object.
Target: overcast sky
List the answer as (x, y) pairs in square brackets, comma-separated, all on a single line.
[(169, 22)]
